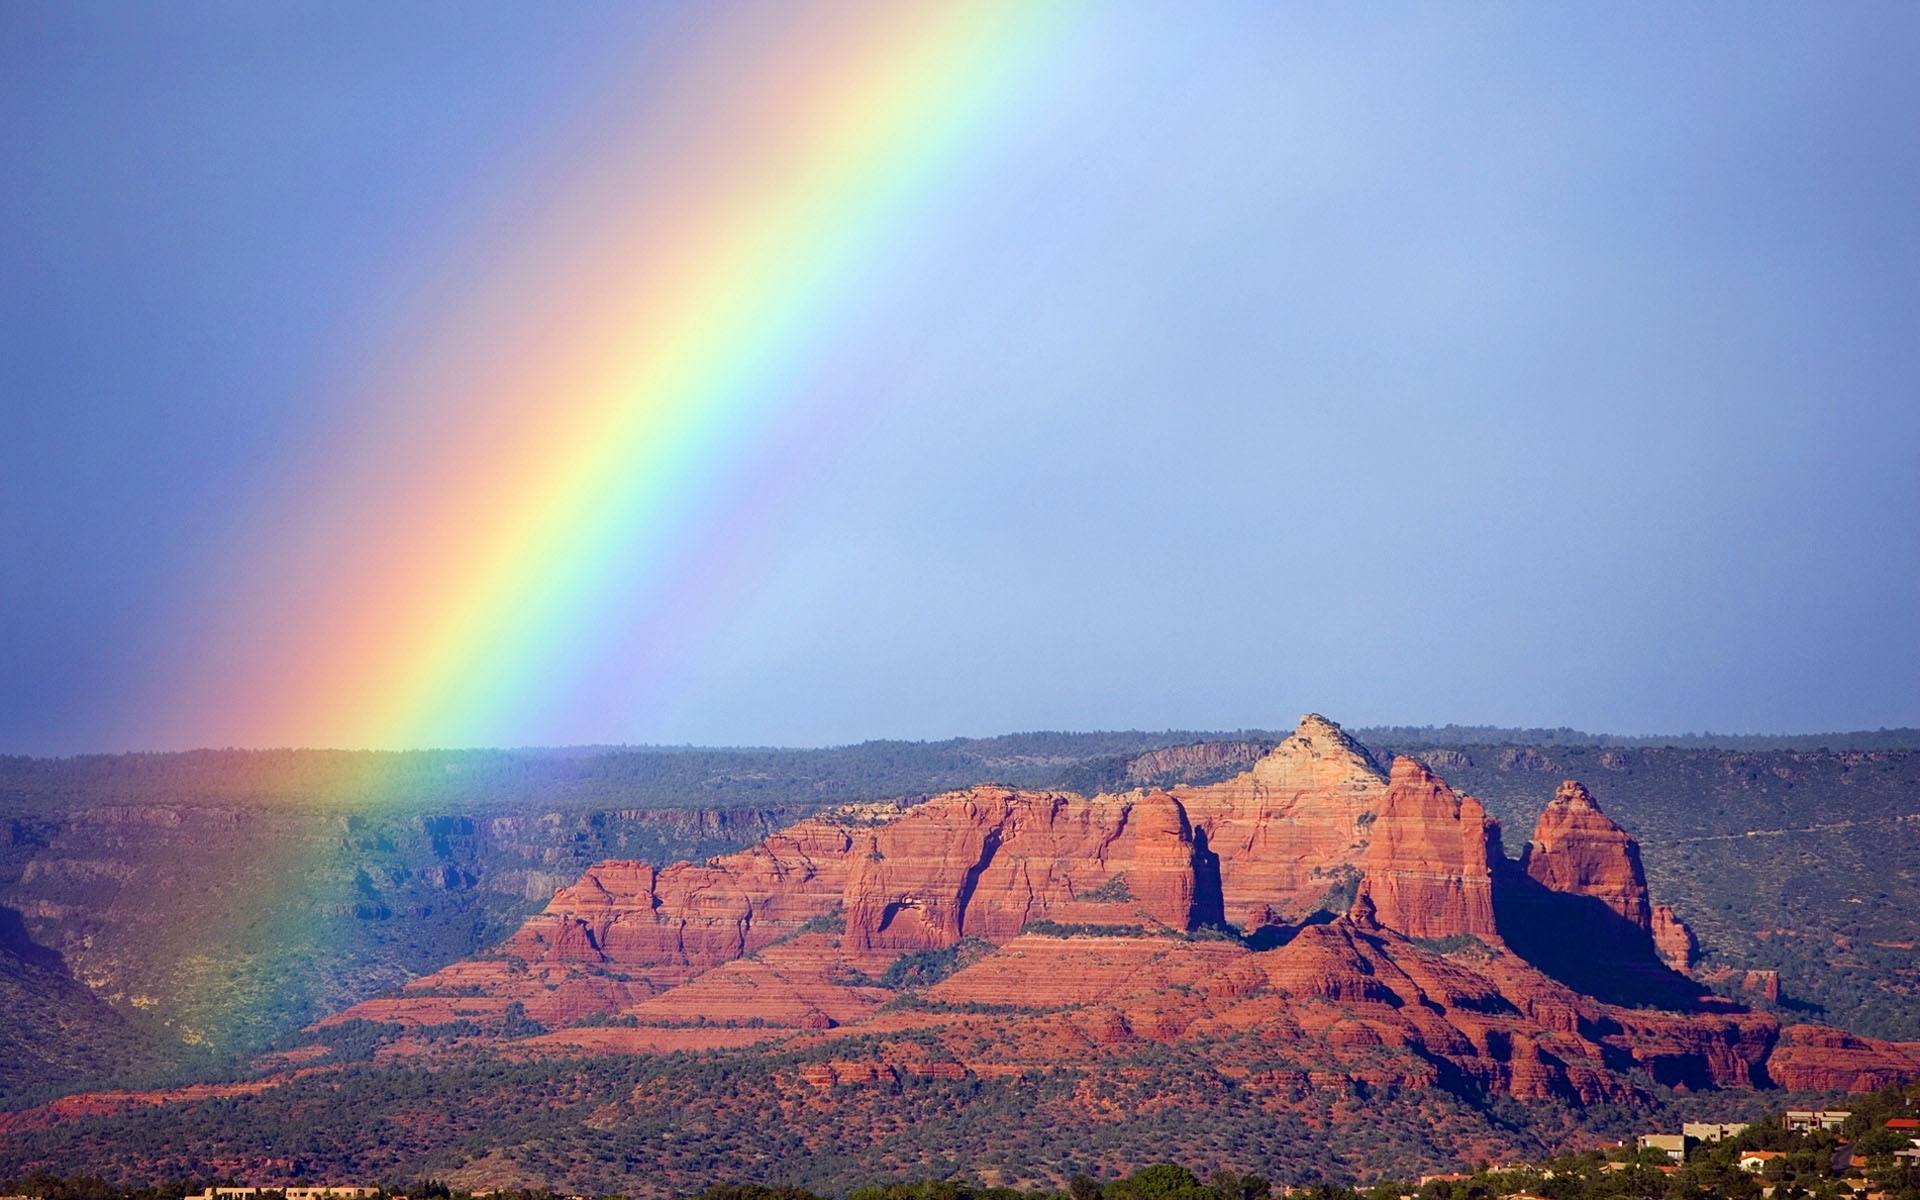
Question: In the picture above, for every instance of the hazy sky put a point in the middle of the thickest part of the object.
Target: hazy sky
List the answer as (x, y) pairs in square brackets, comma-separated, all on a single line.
[(1522, 364)]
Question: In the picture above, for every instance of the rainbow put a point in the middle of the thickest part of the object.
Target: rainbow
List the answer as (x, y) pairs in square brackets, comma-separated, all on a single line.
[(565, 450)]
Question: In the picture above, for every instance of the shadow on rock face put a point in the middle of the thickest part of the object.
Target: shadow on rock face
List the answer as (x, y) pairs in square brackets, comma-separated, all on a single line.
[(1209, 903), (1588, 946), (16, 941)]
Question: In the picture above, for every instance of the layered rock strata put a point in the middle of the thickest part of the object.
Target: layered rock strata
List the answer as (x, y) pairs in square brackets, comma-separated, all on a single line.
[(985, 863), (1429, 866), (1043, 927), (1290, 827), (1578, 850)]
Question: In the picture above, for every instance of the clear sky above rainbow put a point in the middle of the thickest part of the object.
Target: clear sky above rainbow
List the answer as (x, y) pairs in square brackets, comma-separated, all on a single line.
[(481, 374)]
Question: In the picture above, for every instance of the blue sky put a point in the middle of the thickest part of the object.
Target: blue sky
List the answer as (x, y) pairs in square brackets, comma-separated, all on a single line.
[(1529, 364)]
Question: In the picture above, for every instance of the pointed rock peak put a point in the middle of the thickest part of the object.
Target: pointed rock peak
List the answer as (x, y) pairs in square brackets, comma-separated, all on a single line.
[(1304, 807), (1314, 725), (1574, 795), (1578, 849), (1574, 813), (1319, 745), (1314, 728)]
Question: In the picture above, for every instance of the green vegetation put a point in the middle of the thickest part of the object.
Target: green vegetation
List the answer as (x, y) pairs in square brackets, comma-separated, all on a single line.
[(918, 1003), (1421, 736), (349, 1041), (517, 1024), (1798, 1166), (1339, 896), (671, 1124), (923, 968), (1453, 943), (834, 922)]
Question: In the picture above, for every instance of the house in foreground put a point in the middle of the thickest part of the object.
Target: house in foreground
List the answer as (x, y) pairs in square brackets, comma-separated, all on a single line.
[(1806, 1120), (1673, 1145), (1713, 1131)]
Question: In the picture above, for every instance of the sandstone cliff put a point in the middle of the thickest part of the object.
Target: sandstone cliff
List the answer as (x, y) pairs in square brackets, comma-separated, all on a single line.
[(1429, 868), (1291, 826), (985, 863), (626, 930), (1578, 849), (1036, 929)]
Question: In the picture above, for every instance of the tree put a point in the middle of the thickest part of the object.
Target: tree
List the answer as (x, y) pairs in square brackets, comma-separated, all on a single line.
[(1161, 1181), (1230, 1186)]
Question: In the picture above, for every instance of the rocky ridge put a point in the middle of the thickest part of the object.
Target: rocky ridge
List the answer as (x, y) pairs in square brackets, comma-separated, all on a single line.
[(1051, 926), (1429, 866)]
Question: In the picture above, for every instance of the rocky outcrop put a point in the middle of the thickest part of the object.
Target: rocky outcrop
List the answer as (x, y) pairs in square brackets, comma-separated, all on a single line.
[(1578, 850), (1816, 1059), (1672, 939), (1764, 984), (1576, 906), (1200, 762), (1290, 825), (1035, 971), (985, 863), (1429, 867), (1045, 927), (626, 930), (669, 925)]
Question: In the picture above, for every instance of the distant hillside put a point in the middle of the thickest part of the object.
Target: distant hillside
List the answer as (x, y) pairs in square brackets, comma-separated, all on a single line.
[(57, 1035), (1493, 735)]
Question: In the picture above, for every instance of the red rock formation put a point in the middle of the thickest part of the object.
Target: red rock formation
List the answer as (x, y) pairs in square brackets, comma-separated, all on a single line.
[(979, 863), (670, 925), (643, 1039), (1817, 1059), (1354, 1005), (1064, 972), (625, 930), (800, 984), (1429, 868), (722, 954), (1578, 849), (1765, 984), (1673, 939), (984, 863), (1286, 828)]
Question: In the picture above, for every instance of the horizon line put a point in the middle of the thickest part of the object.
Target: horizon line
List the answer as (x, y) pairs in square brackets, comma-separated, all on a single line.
[(1201, 735)]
